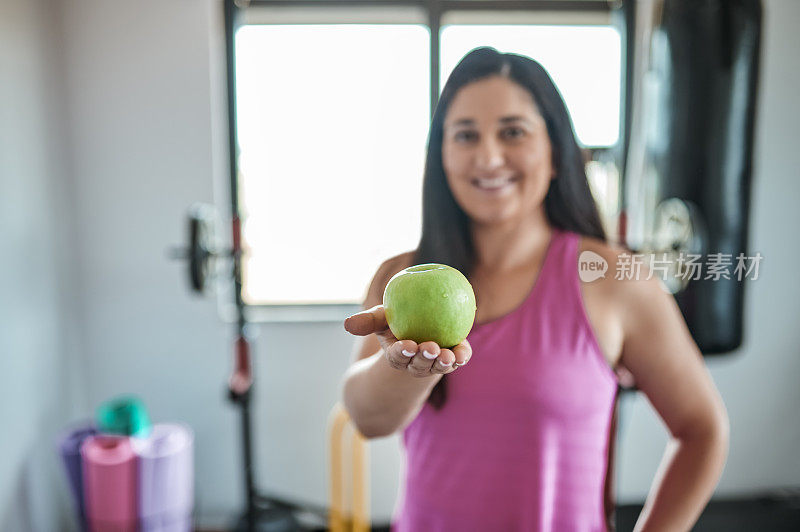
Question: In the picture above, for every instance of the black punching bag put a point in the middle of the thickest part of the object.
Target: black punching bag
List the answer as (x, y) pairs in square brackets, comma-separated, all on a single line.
[(705, 56)]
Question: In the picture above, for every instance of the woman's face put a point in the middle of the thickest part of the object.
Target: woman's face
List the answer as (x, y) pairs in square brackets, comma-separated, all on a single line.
[(496, 151)]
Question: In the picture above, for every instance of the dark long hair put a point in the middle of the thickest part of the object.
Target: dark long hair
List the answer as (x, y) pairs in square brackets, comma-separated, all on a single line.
[(569, 205)]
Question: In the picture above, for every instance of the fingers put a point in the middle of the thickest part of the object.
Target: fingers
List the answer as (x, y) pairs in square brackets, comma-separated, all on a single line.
[(400, 354), (425, 358), (444, 364), (462, 352), (367, 322), (422, 360), (438, 360)]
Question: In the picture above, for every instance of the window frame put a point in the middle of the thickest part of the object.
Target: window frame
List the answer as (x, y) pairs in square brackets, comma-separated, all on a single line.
[(434, 14)]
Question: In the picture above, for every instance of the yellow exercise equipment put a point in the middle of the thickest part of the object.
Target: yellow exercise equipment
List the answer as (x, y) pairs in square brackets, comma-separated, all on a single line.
[(349, 508)]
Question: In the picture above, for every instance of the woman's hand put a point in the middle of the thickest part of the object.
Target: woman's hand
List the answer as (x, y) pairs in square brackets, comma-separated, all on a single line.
[(420, 360)]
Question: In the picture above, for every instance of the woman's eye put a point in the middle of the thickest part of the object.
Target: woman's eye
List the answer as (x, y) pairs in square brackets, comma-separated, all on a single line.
[(464, 136), (513, 132)]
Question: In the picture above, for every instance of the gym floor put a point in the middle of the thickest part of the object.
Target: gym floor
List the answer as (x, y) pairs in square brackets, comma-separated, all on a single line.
[(773, 512)]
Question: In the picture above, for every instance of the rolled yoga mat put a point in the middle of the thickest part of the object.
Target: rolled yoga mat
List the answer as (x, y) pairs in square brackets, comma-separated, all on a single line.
[(110, 484), (166, 478), (69, 447)]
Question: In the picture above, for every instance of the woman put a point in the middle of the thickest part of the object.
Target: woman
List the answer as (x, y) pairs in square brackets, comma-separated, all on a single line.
[(518, 438)]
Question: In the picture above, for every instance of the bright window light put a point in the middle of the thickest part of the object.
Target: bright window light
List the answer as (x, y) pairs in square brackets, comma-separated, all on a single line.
[(583, 61), (332, 125)]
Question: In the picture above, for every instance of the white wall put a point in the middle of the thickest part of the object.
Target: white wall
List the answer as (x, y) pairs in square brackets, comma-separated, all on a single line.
[(138, 83), (38, 384), (145, 138)]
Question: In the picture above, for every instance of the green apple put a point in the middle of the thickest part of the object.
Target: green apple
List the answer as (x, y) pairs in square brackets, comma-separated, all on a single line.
[(430, 302)]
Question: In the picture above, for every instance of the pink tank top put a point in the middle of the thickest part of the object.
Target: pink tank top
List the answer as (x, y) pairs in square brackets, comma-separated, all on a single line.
[(521, 443)]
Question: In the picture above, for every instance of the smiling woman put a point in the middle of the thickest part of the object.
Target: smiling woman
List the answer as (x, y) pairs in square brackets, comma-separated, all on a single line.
[(497, 168), (515, 422)]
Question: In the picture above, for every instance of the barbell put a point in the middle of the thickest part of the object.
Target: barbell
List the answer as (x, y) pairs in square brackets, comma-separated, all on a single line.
[(203, 250)]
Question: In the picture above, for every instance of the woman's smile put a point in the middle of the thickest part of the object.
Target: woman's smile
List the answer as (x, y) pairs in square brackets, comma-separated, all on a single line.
[(494, 185)]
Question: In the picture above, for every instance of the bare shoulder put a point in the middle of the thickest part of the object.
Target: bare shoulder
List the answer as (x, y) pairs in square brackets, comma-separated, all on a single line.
[(612, 255), (604, 249), (598, 245), (400, 262), (626, 291), (395, 264)]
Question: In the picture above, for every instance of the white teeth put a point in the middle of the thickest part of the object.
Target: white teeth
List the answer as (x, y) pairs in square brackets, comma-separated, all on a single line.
[(496, 182)]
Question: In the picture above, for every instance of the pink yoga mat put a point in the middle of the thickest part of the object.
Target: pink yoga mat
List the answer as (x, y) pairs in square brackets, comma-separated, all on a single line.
[(110, 483)]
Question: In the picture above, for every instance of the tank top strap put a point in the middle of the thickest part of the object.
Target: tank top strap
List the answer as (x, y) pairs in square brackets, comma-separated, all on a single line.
[(549, 273), (559, 274), (565, 261), (561, 301)]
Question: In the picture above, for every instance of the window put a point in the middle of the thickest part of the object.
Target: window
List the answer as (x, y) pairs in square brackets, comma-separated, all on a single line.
[(583, 61), (332, 143), (333, 106)]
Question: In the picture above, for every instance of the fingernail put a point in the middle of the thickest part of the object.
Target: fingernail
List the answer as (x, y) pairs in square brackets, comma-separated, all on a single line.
[(446, 365), (427, 355), (408, 353)]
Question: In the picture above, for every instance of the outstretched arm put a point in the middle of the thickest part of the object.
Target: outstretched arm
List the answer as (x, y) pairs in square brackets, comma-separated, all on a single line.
[(391, 379)]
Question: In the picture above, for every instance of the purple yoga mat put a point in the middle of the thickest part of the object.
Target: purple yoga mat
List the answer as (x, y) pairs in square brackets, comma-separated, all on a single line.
[(69, 447), (166, 478)]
